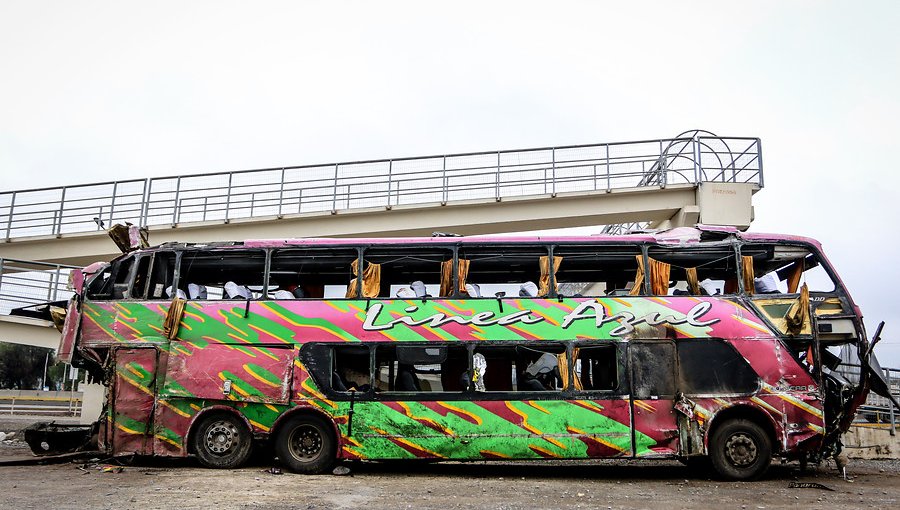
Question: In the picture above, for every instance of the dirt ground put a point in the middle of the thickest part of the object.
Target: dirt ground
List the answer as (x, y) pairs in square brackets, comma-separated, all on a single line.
[(149, 483)]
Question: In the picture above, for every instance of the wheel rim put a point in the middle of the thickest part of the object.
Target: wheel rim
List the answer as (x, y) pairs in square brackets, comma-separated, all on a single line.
[(221, 437), (305, 442), (741, 450)]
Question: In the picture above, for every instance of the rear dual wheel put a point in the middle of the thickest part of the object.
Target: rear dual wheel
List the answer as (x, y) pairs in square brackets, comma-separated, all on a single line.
[(306, 444)]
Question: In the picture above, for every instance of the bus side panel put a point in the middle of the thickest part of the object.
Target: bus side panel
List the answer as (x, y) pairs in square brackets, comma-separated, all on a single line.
[(489, 429), (655, 428), (116, 323), (134, 392), (229, 372), (787, 393)]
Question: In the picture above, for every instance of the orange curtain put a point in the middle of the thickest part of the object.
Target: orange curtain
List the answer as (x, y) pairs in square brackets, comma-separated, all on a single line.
[(462, 270), (693, 284), (748, 276), (173, 318), (659, 277), (638, 286), (797, 316), (371, 280), (446, 278), (563, 363), (793, 280), (544, 287)]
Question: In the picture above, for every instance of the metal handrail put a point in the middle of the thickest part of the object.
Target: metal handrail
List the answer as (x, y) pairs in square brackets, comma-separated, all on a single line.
[(26, 283), (276, 192)]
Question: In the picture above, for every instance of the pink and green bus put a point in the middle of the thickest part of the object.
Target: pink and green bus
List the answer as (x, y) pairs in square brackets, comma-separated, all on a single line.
[(706, 345)]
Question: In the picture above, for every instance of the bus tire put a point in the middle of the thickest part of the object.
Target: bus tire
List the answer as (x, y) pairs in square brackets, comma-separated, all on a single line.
[(222, 441), (306, 444), (740, 450)]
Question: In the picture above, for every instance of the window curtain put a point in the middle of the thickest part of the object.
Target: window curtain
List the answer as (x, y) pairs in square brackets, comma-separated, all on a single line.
[(462, 272), (748, 277), (797, 317), (173, 318), (638, 286), (371, 280), (544, 287), (446, 278), (693, 284), (659, 277), (563, 364)]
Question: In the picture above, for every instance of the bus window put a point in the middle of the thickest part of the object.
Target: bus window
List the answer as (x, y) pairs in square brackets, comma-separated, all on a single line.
[(512, 271), (313, 273), (222, 274), (350, 369), (421, 368), (411, 272), (712, 367), (596, 368), (112, 283), (783, 269), (139, 284), (692, 271), (652, 369), (162, 275), (593, 271)]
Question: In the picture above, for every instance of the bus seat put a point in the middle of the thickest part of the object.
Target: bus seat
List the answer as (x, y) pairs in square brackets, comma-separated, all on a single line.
[(282, 294), (197, 291), (528, 289), (178, 293), (235, 291), (407, 380), (337, 383)]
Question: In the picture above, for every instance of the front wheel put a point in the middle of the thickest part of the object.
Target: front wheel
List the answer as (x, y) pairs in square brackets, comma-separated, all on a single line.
[(740, 450), (306, 444), (222, 441)]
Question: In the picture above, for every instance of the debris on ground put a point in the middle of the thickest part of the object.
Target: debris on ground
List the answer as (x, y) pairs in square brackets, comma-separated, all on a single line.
[(809, 485), (341, 471)]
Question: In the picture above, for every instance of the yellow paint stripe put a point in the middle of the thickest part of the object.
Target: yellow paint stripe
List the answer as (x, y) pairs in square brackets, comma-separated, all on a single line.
[(260, 379), (167, 440), (259, 425), (544, 450), (174, 409), (127, 430), (598, 439), (461, 411)]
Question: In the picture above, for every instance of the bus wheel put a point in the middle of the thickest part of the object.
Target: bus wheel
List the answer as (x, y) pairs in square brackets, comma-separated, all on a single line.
[(222, 441), (740, 450), (305, 444)]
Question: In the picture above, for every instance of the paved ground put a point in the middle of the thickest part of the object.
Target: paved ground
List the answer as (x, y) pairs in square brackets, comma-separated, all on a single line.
[(625, 484)]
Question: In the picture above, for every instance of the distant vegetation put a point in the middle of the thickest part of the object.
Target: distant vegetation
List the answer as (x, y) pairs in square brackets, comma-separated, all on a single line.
[(22, 366)]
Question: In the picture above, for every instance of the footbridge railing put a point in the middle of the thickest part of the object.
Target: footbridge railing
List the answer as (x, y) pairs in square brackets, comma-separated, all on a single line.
[(278, 192)]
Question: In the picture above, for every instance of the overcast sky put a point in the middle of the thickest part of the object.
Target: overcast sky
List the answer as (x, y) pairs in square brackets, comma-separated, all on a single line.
[(113, 90)]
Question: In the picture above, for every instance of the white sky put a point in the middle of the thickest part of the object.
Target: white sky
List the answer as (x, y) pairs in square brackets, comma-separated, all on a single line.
[(94, 91)]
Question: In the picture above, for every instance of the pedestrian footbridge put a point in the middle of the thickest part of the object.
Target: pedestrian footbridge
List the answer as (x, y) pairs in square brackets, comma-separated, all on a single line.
[(670, 182), (696, 177)]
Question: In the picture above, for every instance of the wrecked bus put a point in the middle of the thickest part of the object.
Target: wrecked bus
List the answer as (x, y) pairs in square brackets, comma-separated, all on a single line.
[(708, 345)]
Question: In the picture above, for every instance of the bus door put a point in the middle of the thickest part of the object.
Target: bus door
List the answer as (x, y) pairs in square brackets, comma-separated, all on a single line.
[(130, 421), (654, 422)]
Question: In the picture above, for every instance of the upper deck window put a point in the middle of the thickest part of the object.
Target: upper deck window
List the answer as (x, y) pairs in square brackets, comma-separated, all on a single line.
[(411, 272), (311, 272), (783, 269), (512, 271), (155, 276), (222, 274), (705, 271), (593, 271)]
